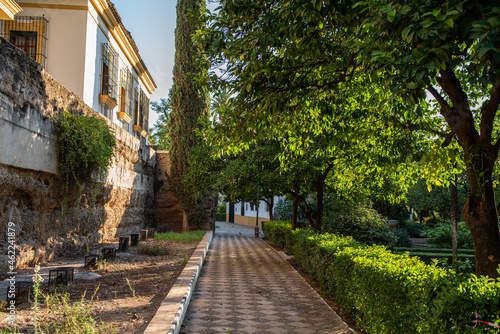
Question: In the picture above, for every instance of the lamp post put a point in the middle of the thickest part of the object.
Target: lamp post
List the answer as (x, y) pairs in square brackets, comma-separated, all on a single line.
[(257, 216)]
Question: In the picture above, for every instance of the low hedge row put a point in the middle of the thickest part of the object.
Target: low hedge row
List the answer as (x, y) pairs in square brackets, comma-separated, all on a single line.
[(432, 250), (390, 293)]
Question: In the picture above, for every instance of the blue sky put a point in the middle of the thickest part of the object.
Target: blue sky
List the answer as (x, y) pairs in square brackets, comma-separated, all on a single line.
[(152, 25)]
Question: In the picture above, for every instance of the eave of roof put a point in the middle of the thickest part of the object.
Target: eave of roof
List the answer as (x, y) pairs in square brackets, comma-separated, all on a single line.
[(113, 21)]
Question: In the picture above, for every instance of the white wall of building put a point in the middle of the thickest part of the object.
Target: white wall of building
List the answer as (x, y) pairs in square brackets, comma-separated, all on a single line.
[(92, 60), (74, 51), (248, 212), (66, 32)]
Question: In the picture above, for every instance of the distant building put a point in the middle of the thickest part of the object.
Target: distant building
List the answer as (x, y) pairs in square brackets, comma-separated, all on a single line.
[(84, 45), (245, 213)]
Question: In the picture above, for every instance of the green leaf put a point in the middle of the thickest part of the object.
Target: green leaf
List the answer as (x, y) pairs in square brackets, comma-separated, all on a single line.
[(411, 85), (420, 75), (449, 22), (405, 32)]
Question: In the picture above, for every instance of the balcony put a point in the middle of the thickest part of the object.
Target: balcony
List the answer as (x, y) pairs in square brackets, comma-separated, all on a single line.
[(140, 130), (124, 117), (108, 100)]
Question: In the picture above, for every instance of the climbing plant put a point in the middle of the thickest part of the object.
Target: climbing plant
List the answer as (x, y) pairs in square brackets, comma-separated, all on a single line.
[(86, 146), (86, 150)]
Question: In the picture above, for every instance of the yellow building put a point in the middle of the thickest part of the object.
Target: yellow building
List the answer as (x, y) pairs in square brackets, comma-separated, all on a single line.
[(84, 45)]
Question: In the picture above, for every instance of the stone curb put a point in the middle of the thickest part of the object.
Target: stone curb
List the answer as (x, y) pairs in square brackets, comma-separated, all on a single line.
[(169, 316)]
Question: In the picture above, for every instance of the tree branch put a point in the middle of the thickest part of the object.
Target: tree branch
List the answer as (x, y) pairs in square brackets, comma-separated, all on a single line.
[(448, 139), (442, 102), (488, 113)]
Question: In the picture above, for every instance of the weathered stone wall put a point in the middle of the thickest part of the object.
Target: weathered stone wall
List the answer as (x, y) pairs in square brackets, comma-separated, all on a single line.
[(31, 193), (168, 210)]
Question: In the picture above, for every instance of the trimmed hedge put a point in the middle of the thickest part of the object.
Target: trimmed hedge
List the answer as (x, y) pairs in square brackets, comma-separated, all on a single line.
[(432, 250), (390, 293), (220, 217)]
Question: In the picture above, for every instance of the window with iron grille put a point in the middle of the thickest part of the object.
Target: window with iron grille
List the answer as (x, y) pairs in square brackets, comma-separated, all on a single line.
[(125, 82), (109, 71), (143, 110), (29, 33)]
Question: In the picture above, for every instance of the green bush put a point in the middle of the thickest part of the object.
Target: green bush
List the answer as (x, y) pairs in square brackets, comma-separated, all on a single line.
[(155, 250), (221, 208), (414, 229), (440, 236), (220, 217), (195, 235), (391, 293), (358, 220), (402, 238), (277, 231), (282, 210), (86, 145)]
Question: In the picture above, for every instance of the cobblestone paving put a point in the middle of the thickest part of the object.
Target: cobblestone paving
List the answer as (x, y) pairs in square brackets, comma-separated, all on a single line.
[(246, 287)]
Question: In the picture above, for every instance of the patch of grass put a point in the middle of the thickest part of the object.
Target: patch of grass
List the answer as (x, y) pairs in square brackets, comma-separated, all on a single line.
[(102, 264), (131, 288), (3, 306), (185, 236), (66, 316), (153, 250)]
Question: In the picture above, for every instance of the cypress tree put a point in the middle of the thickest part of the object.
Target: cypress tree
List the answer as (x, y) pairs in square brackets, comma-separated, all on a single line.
[(189, 101)]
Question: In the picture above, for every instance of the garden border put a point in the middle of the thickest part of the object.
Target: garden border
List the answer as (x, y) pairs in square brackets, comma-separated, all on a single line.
[(170, 314)]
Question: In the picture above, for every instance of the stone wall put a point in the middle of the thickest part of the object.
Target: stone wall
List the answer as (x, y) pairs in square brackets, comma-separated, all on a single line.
[(31, 193), (168, 210)]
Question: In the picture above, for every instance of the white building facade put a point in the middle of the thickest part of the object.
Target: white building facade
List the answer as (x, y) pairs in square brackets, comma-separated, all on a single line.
[(84, 45), (245, 213)]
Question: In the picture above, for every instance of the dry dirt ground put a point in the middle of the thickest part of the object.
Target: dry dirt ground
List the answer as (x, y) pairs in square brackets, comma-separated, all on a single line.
[(150, 277)]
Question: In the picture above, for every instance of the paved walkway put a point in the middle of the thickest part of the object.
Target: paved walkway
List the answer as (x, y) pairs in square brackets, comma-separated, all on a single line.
[(245, 286)]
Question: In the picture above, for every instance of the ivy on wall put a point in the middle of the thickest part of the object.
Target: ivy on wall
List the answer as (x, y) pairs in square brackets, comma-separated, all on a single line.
[(86, 151), (86, 147)]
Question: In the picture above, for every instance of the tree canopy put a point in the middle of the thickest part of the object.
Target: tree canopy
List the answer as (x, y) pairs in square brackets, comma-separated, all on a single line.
[(309, 71), (189, 100)]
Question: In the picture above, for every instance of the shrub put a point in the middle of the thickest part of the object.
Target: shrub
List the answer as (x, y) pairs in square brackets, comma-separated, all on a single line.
[(440, 236), (196, 235), (414, 229), (153, 250), (402, 238), (86, 145), (220, 215), (221, 208), (358, 220), (276, 231), (391, 293), (282, 210)]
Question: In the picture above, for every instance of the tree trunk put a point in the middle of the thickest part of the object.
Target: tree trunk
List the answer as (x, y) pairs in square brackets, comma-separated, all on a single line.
[(480, 212), (480, 156), (307, 213), (271, 200), (185, 225), (294, 213), (454, 219), (320, 190)]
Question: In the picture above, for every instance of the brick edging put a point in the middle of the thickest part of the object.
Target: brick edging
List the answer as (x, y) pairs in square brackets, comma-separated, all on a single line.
[(170, 314)]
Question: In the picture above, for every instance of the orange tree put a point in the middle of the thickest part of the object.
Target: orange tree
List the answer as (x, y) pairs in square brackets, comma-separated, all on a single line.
[(287, 58)]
